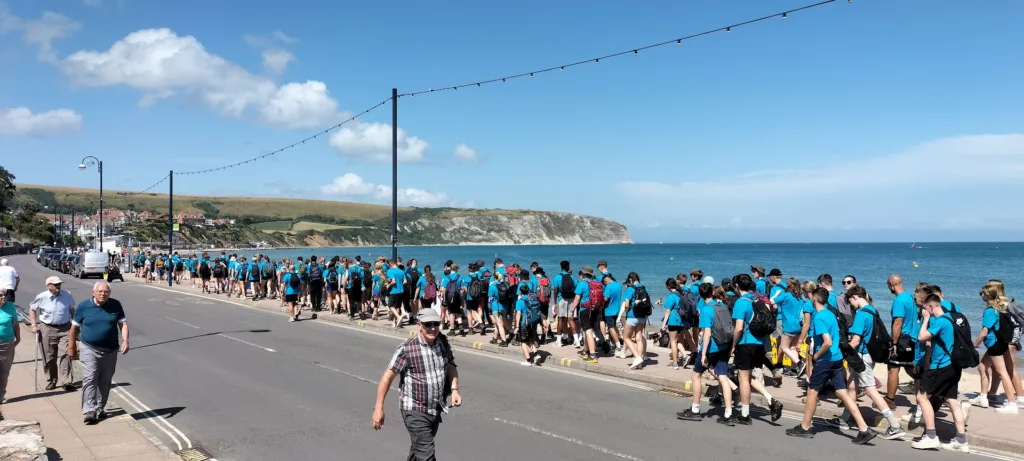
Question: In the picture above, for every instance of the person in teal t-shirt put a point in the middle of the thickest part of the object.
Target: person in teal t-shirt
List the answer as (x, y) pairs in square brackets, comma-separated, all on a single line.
[(941, 379), (10, 336)]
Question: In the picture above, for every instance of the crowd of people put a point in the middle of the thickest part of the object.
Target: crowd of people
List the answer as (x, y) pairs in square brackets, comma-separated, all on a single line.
[(722, 330)]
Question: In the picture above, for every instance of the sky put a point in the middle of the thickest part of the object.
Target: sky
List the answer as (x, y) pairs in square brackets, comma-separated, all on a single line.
[(868, 120)]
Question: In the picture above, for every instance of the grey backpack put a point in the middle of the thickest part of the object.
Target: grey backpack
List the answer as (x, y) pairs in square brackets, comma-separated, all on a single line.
[(722, 328)]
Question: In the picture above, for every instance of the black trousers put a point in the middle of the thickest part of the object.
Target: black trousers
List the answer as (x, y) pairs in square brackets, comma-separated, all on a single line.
[(422, 429), (316, 293)]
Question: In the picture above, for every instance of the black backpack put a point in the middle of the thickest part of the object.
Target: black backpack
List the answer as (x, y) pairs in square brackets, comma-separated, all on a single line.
[(294, 280), (332, 276), (218, 271), (412, 277), (477, 287), (1007, 328), (879, 344), (844, 326), (356, 279), (204, 268), (254, 271), (568, 288), (962, 354), (762, 322), (506, 294), (642, 307), (688, 306), (268, 270), (316, 274), (452, 296)]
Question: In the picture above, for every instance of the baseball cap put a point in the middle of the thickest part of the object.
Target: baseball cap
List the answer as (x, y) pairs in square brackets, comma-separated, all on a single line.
[(428, 315), (775, 273), (53, 280)]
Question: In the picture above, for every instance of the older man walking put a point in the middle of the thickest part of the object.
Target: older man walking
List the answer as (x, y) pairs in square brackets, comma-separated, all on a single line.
[(9, 281), (97, 320), (426, 368), (50, 315)]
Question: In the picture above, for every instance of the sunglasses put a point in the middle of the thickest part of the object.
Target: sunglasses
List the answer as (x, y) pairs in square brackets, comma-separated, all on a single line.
[(847, 282), (431, 324)]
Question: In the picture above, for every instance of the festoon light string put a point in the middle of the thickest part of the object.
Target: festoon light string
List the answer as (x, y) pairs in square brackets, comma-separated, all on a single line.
[(634, 51)]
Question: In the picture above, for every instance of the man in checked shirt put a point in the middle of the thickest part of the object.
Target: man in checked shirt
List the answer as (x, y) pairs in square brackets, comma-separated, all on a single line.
[(427, 372)]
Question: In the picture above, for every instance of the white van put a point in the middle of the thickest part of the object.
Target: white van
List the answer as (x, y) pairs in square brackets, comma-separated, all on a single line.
[(92, 263)]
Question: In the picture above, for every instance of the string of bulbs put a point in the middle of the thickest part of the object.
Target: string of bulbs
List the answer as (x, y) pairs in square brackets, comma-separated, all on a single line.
[(634, 51)]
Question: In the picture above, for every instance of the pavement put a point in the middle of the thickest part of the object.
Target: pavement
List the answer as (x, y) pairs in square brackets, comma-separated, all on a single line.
[(235, 379)]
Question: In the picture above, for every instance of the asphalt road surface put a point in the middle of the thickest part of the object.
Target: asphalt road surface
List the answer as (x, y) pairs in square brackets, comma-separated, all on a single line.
[(246, 385)]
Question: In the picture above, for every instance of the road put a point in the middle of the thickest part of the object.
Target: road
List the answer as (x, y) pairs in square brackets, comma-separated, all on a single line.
[(244, 384)]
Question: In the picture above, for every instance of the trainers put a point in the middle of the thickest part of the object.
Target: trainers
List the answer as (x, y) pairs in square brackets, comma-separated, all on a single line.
[(953, 445), (591, 359), (526, 363), (744, 420), (689, 415), (799, 431), (926, 443), (838, 422), (980, 401), (776, 410), (1009, 409), (889, 402), (911, 418), (620, 354), (536, 359), (864, 437), (893, 433), (637, 364), (730, 421), (582, 354)]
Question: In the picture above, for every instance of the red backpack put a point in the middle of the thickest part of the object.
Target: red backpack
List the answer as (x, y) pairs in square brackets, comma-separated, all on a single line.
[(596, 295), (544, 290), (511, 276)]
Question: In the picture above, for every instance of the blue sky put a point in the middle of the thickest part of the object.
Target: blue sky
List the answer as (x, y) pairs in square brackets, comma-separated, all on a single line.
[(871, 120)]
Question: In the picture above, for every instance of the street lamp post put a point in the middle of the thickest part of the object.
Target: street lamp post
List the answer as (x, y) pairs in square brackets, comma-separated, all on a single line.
[(88, 162)]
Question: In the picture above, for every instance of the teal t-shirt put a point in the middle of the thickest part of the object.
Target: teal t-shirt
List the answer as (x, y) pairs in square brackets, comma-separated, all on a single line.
[(990, 320), (707, 320), (864, 326), (8, 321), (98, 324), (613, 293), (744, 310), (941, 329), (825, 322)]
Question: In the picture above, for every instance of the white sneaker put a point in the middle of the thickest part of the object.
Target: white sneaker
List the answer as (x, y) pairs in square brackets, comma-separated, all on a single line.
[(637, 363), (926, 443), (980, 401), (526, 363), (1020, 400), (1008, 409), (912, 419), (620, 354), (953, 445)]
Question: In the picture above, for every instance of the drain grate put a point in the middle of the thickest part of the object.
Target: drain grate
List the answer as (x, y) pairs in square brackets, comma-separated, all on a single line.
[(195, 454)]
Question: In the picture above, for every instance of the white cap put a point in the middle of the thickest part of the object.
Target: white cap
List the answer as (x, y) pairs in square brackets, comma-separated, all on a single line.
[(3, 262), (53, 280)]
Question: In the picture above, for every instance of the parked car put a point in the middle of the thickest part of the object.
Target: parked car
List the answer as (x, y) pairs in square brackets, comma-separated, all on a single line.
[(73, 265), (92, 263), (67, 263), (44, 253), (51, 260)]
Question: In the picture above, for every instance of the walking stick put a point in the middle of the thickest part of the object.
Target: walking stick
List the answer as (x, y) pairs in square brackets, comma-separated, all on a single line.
[(36, 374)]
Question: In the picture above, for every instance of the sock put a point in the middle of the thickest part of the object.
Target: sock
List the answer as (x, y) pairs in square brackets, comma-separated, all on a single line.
[(961, 437), (728, 412), (768, 398), (890, 418), (695, 408), (915, 410), (931, 434), (744, 410)]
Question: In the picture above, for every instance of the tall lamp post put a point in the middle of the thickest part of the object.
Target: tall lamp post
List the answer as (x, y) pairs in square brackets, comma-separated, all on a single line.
[(88, 162)]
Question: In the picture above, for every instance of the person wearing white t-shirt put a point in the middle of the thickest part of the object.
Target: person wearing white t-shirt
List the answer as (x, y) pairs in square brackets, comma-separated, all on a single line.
[(9, 281)]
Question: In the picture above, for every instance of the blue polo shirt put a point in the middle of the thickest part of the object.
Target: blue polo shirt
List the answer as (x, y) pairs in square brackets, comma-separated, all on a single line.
[(629, 294), (863, 326), (761, 287), (492, 297), (286, 279), (98, 324), (903, 307)]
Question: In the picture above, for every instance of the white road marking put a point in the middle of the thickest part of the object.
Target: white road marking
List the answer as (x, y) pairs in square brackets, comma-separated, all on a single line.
[(569, 439), (183, 323), (246, 342), (159, 421)]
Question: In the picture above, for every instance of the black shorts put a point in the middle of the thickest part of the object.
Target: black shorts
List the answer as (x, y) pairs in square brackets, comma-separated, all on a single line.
[(192, 273), (395, 300), (997, 349), (750, 356), (590, 319), (9, 296), (942, 382), (718, 362), (354, 297), (528, 333), (291, 298), (676, 328), (472, 305)]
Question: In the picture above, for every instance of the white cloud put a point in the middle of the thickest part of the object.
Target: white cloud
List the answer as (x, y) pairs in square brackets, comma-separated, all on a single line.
[(276, 60), (466, 154), (373, 141), (41, 32), (943, 181), (352, 185), (160, 63), (266, 41), (21, 121)]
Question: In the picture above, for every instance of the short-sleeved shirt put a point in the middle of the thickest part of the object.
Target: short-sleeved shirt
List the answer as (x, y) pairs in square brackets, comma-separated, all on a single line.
[(98, 324), (761, 287), (613, 293), (744, 310), (286, 279), (990, 320), (825, 322), (423, 372), (492, 297), (672, 306), (864, 326), (8, 321), (941, 329), (903, 307), (707, 320), (398, 276), (583, 291), (949, 307), (467, 280)]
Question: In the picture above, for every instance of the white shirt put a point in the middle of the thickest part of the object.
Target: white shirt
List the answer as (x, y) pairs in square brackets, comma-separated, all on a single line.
[(8, 277), (53, 310)]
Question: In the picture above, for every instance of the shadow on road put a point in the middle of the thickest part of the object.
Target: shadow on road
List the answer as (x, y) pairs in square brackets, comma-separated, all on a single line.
[(200, 336)]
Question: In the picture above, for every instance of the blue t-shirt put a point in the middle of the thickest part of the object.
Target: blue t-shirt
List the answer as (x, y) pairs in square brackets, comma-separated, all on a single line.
[(556, 285), (707, 320), (941, 329), (492, 297), (789, 309), (613, 293), (98, 324), (949, 307), (903, 307), (863, 326), (583, 291), (8, 321), (825, 323), (287, 281), (466, 281), (695, 289), (523, 311), (398, 276), (628, 295), (761, 287), (990, 320), (672, 306), (744, 310)]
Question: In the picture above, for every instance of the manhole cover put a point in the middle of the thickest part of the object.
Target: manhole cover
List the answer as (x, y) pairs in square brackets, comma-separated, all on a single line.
[(195, 454)]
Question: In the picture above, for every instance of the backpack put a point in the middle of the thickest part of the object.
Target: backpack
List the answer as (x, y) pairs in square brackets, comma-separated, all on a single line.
[(268, 271), (544, 290), (316, 274), (596, 294), (294, 280), (506, 295), (477, 287), (762, 322), (962, 354), (1017, 312), (356, 279), (332, 276), (204, 268), (180, 267), (879, 344), (412, 277), (511, 275), (254, 271), (367, 279), (642, 307), (218, 271), (452, 296), (722, 329), (568, 288), (1007, 327), (844, 326), (843, 307), (532, 309), (301, 270), (429, 293), (688, 306)]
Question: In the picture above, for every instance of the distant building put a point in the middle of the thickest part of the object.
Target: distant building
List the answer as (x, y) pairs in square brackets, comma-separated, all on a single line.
[(192, 218)]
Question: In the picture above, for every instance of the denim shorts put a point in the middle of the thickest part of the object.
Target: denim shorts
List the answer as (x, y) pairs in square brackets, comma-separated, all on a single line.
[(826, 371), (633, 322)]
